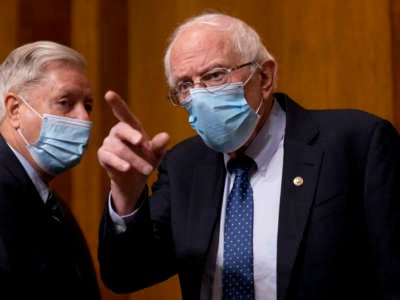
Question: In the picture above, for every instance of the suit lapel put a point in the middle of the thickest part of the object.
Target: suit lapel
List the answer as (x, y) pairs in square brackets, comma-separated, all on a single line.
[(202, 218), (208, 183), (302, 161), (14, 167), (300, 176)]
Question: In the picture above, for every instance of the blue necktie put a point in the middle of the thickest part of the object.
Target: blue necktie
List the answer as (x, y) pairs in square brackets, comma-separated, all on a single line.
[(238, 277), (54, 207)]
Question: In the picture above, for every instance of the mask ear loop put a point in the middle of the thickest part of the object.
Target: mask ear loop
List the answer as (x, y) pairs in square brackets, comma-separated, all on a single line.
[(251, 74), (32, 109), (257, 66), (260, 105), (22, 136)]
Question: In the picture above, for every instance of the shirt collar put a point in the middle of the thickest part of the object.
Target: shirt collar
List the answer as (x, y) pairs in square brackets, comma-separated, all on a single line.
[(39, 184), (268, 139)]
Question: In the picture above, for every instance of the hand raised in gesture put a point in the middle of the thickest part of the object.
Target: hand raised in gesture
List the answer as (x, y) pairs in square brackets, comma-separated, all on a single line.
[(129, 155)]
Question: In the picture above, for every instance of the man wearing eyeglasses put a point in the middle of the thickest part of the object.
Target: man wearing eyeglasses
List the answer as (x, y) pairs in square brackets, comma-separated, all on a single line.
[(323, 217)]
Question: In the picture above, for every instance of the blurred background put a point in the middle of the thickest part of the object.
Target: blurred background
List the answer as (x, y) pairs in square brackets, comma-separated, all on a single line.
[(330, 54)]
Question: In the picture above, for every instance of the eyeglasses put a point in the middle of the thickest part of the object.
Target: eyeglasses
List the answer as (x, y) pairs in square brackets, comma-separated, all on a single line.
[(216, 77)]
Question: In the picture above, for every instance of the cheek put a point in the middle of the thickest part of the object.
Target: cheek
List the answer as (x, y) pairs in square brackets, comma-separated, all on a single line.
[(253, 94), (79, 112), (31, 128)]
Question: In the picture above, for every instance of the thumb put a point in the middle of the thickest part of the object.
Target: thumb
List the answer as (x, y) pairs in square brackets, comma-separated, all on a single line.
[(159, 144)]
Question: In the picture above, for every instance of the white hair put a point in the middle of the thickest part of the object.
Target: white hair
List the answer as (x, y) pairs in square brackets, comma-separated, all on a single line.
[(245, 39), (25, 66)]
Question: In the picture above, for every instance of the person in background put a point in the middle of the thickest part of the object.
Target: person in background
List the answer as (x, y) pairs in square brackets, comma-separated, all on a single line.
[(45, 106), (269, 201)]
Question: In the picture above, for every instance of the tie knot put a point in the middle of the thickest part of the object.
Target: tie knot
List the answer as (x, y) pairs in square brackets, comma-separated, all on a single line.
[(242, 162)]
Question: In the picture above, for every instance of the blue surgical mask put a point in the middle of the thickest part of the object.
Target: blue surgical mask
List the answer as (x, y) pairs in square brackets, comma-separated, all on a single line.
[(61, 143), (221, 116)]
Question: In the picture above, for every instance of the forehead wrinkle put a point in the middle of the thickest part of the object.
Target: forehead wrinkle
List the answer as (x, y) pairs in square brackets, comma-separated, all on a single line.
[(65, 82), (197, 49)]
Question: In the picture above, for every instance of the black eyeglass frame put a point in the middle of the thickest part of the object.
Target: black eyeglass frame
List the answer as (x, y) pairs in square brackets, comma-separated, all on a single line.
[(173, 93)]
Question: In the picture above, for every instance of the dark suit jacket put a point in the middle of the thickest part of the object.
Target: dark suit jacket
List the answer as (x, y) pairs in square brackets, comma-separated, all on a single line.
[(339, 232), (39, 257)]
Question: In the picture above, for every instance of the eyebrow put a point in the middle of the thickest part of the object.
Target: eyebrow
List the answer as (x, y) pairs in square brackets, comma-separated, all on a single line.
[(74, 93), (209, 68)]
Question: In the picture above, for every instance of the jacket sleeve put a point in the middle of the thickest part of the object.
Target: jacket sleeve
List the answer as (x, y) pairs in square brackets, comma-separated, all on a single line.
[(141, 256), (382, 207)]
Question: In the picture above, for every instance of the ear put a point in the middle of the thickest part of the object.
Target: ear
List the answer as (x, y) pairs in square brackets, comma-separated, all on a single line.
[(268, 77), (12, 105)]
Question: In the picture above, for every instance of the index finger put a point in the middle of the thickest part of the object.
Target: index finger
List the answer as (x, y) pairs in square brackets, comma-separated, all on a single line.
[(121, 110)]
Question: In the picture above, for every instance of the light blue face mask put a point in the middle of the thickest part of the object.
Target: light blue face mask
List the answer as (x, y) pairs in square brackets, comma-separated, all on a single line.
[(61, 143), (221, 116)]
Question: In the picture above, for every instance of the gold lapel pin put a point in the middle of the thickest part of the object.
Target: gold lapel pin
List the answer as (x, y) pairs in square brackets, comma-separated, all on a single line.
[(298, 181)]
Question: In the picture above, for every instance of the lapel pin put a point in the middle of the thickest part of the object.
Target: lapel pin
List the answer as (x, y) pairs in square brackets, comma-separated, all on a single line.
[(298, 181)]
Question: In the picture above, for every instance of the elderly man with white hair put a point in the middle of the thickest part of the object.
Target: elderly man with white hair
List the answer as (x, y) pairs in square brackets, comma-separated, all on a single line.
[(45, 125), (270, 200)]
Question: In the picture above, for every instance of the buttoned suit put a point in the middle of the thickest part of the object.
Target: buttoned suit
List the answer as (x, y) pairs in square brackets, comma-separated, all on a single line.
[(339, 227), (40, 258)]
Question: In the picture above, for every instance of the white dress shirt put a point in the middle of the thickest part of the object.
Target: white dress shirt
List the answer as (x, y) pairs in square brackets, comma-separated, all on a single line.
[(267, 152)]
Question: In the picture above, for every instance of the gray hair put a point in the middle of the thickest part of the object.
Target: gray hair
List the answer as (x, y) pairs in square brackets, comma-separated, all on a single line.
[(26, 65), (245, 40)]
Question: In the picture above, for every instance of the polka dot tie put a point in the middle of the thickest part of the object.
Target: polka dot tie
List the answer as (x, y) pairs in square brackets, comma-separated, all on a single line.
[(238, 279)]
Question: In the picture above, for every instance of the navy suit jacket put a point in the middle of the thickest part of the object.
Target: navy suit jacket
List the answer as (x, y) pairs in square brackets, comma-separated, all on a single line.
[(40, 258), (339, 232)]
